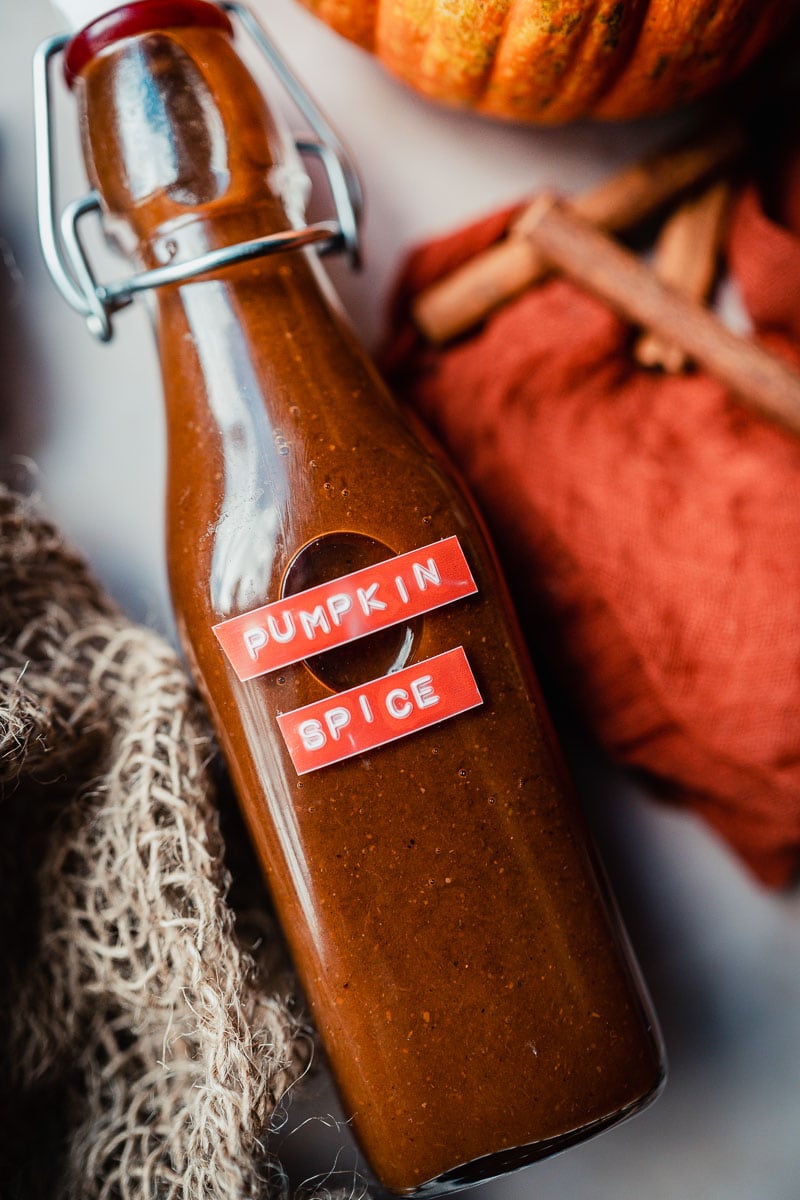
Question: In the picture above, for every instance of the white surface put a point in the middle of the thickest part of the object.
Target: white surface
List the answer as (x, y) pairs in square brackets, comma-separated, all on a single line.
[(721, 956), (77, 13)]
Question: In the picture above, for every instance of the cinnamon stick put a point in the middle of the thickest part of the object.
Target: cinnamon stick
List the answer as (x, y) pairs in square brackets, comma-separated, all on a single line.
[(686, 257), (595, 261), (461, 299)]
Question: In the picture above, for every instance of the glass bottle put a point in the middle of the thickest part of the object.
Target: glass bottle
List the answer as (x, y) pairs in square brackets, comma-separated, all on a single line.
[(434, 878)]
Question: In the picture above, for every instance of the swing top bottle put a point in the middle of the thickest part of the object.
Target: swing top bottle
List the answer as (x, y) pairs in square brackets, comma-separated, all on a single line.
[(345, 617)]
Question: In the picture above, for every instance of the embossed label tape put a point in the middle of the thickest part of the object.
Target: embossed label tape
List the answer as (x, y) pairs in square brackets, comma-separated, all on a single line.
[(341, 610), (380, 711)]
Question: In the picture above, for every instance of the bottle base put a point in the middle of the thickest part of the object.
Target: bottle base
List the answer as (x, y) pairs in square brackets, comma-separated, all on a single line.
[(504, 1162)]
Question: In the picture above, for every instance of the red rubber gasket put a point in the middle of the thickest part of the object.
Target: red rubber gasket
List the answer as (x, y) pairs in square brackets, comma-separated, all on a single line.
[(139, 17)]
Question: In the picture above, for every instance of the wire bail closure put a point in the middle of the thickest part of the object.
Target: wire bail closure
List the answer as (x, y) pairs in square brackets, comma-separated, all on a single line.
[(60, 237)]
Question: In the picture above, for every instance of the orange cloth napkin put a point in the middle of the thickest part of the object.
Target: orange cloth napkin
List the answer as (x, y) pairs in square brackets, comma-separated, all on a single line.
[(650, 525)]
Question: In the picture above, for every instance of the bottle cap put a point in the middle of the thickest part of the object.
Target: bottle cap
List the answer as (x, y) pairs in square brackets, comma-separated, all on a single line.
[(137, 18)]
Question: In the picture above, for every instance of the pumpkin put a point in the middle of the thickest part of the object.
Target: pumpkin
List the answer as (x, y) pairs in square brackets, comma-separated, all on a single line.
[(552, 61)]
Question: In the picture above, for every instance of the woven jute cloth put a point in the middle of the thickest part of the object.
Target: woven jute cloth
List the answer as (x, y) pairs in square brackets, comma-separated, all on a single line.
[(148, 1030)]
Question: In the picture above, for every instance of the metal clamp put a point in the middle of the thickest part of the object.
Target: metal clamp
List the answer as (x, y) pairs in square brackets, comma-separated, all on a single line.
[(60, 237)]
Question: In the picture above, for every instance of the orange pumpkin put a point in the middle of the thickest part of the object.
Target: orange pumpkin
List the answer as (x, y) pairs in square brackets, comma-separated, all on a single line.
[(551, 61)]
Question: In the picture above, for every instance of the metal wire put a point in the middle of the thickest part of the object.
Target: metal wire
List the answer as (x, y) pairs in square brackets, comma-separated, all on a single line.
[(60, 238)]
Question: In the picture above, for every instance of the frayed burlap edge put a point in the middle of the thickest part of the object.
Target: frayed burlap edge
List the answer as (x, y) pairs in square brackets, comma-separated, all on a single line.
[(146, 1049)]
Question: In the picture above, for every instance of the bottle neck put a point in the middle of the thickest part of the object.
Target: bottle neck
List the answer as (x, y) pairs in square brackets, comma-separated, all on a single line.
[(176, 134)]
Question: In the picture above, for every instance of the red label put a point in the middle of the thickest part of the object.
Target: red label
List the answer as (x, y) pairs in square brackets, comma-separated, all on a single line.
[(380, 711), (346, 608)]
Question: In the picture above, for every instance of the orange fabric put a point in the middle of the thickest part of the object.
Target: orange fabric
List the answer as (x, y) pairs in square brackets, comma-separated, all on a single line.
[(650, 526)]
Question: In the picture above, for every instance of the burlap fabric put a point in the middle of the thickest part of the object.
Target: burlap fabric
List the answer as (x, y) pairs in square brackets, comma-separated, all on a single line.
[(145, 1047)]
